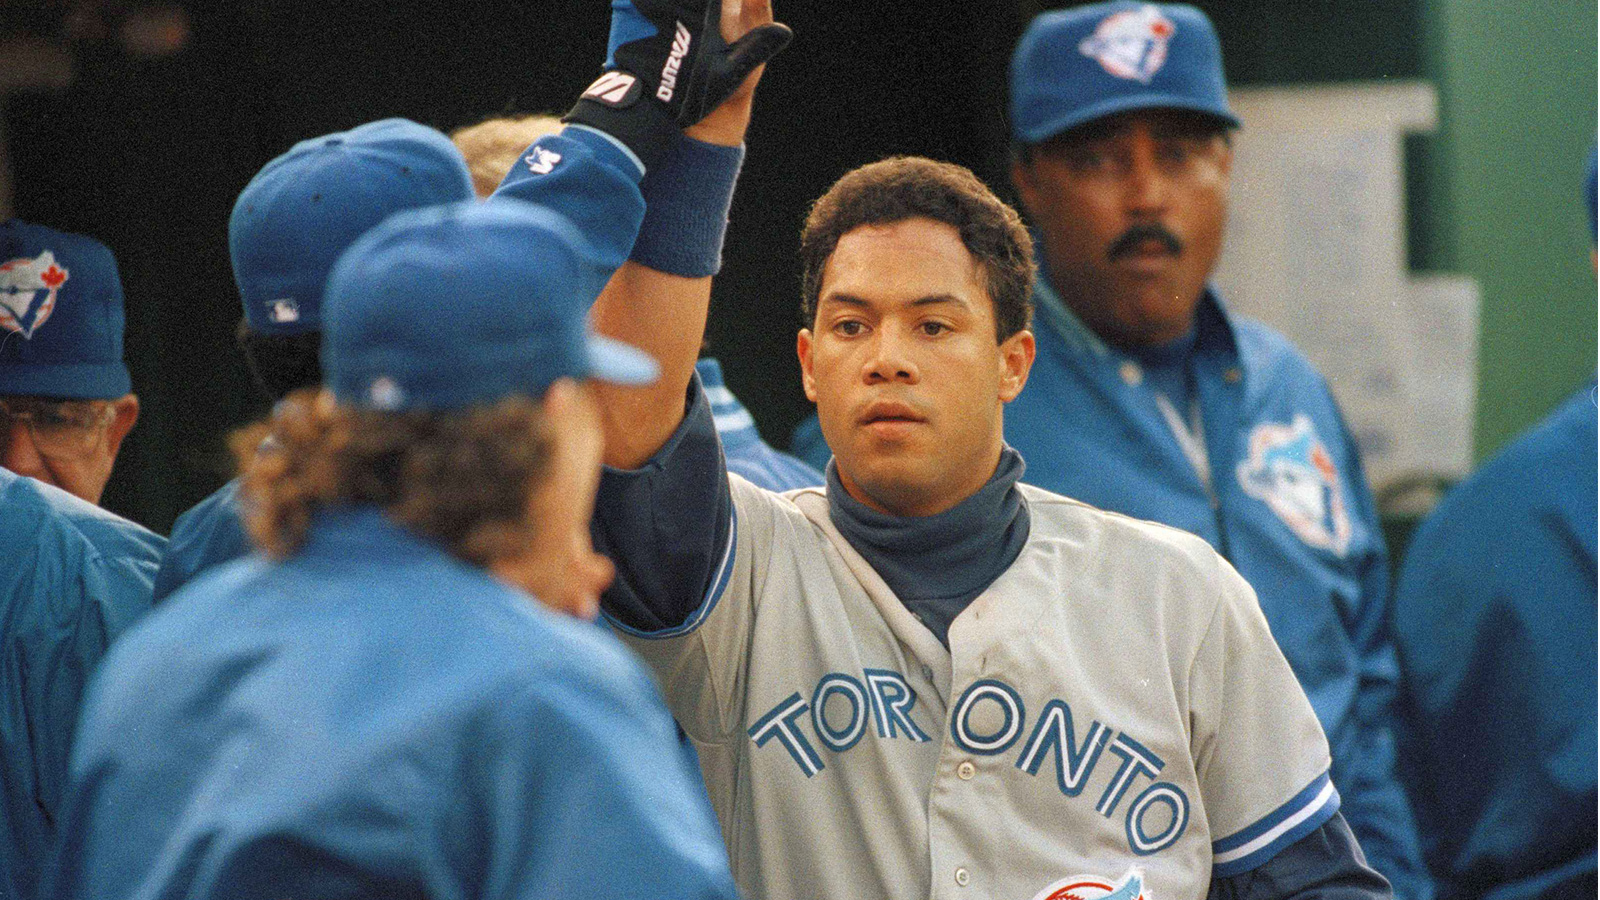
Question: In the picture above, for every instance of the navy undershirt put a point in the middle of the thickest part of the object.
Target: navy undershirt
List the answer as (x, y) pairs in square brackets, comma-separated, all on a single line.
[(939, 564)]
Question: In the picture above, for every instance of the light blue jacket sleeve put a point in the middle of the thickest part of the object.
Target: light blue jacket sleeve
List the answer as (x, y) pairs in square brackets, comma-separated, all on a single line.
[(590, 179)]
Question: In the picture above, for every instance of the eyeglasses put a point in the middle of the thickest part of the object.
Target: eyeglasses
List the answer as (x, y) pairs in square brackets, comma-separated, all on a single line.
[(59, 428)]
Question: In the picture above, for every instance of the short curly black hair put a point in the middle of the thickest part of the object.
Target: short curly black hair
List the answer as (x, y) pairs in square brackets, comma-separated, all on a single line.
[(914, 187)]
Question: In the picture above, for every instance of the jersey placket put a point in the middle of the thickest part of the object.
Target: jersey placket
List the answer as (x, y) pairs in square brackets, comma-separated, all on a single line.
[(958, 787)]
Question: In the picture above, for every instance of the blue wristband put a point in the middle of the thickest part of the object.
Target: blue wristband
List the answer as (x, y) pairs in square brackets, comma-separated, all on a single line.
[(687, 195)]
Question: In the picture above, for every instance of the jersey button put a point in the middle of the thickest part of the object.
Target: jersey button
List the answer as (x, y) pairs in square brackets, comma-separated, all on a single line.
[(963, 876), (966, 770)]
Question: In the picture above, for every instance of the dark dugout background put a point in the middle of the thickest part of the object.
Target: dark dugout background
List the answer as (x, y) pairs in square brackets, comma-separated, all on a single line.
[(148, 155)]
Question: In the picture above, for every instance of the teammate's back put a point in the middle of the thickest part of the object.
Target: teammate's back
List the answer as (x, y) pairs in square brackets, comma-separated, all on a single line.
[(459, 685), (72, 578)]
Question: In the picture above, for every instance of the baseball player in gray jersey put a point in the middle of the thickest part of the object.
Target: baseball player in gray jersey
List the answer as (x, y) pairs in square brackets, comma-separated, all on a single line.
[(926, 679)]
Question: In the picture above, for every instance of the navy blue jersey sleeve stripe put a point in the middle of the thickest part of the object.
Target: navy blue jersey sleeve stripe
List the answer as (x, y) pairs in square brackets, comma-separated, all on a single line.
[(1304, 813), (708, 602), (668, 527)]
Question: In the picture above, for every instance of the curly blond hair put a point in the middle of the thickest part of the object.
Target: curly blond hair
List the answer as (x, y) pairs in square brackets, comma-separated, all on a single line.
[(464, 479)]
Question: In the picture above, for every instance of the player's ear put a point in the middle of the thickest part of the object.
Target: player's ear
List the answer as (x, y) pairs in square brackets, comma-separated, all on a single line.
[(802, 347), (559, 404), (125, 413), (1016, 361)]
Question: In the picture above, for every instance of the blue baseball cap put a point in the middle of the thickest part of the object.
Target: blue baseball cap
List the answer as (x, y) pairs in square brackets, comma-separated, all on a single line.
[(305, 207), (1076, 65), (463, 304), (61, 318)]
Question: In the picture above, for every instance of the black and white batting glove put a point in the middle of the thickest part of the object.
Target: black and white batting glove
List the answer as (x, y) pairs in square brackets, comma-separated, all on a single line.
[(668, 67)]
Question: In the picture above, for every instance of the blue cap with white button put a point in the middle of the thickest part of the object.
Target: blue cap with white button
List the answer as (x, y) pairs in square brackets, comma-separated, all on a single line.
[(463, 304)]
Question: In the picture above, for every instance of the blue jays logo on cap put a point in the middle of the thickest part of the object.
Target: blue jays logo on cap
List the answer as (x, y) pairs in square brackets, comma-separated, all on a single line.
[(1291, 471), (1076, 65), (1131, 44), (28, 292)]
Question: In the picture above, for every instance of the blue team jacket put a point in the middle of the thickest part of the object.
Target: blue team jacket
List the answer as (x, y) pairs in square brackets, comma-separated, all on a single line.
[(1495, 623), (72, 578), (374, 718), (208, 534), (1288, 505)]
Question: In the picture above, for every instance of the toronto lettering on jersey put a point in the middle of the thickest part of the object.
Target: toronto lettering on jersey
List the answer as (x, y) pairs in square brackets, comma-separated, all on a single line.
[(841, 707)]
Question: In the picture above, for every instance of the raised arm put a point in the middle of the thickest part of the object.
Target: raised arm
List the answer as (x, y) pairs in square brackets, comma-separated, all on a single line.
[(658, 300)]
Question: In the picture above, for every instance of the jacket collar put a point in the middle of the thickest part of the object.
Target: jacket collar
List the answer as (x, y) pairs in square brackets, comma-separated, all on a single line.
[(1216, 330)]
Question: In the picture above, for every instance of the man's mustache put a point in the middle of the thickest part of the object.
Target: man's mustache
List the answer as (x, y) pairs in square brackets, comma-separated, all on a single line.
[(1130, 240)]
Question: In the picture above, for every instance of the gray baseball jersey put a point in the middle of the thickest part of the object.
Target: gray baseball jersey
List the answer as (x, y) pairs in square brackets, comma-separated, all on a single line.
[(1113, 717)]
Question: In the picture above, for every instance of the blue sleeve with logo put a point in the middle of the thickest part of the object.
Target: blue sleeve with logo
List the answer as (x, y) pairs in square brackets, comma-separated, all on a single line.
[(588, 177)]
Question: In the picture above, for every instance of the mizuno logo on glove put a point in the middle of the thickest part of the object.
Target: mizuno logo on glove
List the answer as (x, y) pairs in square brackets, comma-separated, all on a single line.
[(669, 72), (667, 67), (615, 89)]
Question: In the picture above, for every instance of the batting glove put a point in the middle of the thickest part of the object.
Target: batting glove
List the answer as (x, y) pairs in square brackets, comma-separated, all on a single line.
[(668, 67)]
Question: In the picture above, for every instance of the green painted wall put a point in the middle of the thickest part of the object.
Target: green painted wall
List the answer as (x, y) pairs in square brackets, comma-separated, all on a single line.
[(1517, 119)]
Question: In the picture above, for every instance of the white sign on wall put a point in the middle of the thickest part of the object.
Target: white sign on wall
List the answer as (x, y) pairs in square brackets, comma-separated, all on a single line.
[(1316, 247)]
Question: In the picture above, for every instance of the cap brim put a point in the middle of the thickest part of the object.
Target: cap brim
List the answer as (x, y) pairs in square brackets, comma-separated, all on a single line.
[(620, 363), (1148, 100), (74, 381)]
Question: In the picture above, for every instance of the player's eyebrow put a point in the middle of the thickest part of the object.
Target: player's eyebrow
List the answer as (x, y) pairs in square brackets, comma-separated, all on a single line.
[(936, 299), (930, 300)]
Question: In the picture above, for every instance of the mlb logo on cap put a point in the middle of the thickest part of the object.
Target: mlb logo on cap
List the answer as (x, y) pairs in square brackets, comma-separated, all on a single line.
[(516, 281), (61, 316), (1073, 66), (283, 311), (304, 208)]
